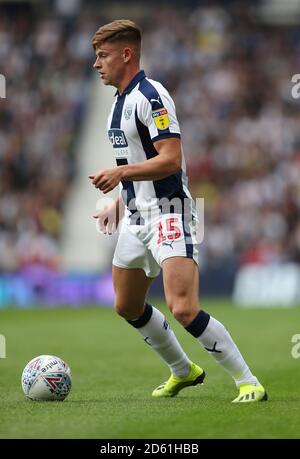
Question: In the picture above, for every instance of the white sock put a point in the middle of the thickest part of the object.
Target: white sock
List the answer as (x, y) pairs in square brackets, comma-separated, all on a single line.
[(156, 332), (217, 341)]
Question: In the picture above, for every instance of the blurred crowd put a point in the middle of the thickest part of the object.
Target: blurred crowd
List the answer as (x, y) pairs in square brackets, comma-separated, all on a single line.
[(46, 61), (230, 78)]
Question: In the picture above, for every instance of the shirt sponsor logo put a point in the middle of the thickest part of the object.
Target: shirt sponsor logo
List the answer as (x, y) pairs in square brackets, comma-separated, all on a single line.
[(117, 138), (121, 153), (161, 118)]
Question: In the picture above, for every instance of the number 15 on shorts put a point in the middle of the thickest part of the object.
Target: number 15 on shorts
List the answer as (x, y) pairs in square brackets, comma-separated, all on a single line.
[(169, 230)]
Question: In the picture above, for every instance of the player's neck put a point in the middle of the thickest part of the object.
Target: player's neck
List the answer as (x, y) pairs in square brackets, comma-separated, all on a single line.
[(128, 77)]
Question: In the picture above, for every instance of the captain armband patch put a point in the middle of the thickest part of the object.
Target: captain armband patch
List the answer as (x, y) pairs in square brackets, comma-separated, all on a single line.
[(161, 118)]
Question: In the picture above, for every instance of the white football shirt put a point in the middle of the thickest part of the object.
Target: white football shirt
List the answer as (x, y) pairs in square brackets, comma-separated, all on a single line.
[(141, 115)]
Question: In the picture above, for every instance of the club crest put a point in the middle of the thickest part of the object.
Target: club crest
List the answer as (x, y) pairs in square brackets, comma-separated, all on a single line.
[(128, 111)]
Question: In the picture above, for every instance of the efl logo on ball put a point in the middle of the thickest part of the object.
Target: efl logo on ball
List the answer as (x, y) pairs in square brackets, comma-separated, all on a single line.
[(46, 378)]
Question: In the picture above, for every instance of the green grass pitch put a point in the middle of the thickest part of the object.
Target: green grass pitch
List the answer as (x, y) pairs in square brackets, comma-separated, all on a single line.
[(114, 373)]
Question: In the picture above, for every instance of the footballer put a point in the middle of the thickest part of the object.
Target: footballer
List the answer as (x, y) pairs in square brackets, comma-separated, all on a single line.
[(154, 235)]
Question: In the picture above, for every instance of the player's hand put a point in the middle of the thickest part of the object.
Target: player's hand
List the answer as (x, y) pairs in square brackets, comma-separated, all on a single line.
[(108, 218), (107, 179)]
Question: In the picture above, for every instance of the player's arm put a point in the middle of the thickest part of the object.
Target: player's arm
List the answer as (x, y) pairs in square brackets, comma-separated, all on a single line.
[(159, 116), (167, 162)]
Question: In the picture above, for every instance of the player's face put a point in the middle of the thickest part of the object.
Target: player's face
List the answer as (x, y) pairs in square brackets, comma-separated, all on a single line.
[(110, 63)]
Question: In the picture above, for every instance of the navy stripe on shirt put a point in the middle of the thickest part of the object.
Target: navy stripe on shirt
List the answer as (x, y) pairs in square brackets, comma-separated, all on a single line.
[(152, 95), (168, 187), (127, 185)]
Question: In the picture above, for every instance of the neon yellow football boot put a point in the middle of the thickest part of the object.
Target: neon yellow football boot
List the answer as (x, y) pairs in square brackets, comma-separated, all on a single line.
[(251, 393), (175, 384)]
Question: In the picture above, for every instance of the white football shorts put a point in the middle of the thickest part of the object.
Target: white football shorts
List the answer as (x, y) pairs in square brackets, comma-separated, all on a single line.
[(147, 246)]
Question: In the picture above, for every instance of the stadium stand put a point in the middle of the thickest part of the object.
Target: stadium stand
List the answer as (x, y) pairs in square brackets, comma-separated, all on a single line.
[(230, 76)]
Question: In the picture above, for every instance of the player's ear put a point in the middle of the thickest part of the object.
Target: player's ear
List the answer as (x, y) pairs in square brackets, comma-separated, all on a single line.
[(127, 53)]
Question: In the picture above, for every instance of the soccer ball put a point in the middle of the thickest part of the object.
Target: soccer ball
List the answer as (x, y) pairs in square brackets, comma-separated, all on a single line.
[(46, 377)]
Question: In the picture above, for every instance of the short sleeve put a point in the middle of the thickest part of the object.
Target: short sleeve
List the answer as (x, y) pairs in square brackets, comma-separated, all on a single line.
[(156, 110)]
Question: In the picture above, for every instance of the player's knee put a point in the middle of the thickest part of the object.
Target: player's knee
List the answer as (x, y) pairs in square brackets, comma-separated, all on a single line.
[(121, 309), (182, 316), (128, 312), (183, 312)]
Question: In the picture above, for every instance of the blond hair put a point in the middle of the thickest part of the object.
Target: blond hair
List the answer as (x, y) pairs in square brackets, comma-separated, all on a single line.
[(120, 30)]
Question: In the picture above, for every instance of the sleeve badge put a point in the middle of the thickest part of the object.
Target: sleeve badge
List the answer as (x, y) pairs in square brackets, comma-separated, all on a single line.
[(161, 118)]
